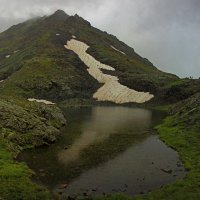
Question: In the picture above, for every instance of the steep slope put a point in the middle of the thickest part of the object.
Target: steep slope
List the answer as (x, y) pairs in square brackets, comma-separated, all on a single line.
[(42, 61), (35, 64)]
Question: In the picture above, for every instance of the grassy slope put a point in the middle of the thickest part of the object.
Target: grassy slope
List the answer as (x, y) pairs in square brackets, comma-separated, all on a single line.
[(48, 69), (24, 125), (15, 180), (53, 72), (61, 74)]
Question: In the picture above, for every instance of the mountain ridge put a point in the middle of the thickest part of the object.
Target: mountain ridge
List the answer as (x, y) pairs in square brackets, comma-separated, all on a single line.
[(45, 38)]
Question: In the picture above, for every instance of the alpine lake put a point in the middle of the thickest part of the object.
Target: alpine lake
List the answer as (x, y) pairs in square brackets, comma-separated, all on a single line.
[(105, 150)]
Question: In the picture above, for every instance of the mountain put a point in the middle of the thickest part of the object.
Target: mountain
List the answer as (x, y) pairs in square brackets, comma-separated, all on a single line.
[(34, 62)]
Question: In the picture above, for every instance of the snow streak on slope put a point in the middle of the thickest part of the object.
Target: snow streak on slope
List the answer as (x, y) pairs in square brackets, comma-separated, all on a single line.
[(117, 50), (112, 90), (41, 101)]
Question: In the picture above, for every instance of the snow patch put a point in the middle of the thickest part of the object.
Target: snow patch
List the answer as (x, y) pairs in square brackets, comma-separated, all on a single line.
[(117, 50), (8, 56), (112, 90), (41, 101)]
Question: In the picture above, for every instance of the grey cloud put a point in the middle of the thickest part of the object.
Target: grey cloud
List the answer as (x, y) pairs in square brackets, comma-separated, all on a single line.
[(165, 31)]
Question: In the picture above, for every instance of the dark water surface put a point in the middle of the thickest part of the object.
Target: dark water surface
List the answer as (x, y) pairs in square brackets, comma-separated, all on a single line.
[(105, 150)]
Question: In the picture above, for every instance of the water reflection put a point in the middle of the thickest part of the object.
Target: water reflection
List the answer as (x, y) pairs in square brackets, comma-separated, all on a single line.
[(110, 149), (136, 170), (106, 121)]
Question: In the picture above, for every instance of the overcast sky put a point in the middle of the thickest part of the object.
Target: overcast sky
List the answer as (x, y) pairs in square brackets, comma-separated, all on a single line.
[(167, 32)]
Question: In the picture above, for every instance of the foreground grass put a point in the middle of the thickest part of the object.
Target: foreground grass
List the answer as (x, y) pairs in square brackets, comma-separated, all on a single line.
[(15, 182), (24, 125)]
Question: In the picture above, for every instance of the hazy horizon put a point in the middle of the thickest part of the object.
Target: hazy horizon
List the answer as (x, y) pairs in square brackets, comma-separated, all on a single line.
[(166, 33)]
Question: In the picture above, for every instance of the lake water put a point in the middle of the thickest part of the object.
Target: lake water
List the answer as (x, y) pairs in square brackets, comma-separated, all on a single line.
[(106, 150)]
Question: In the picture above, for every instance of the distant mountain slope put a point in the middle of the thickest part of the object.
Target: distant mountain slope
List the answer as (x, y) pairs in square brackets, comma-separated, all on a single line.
[(34, 62)]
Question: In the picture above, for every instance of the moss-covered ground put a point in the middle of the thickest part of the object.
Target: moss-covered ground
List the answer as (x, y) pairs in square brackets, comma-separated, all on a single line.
[(24, 125), (15, 182)]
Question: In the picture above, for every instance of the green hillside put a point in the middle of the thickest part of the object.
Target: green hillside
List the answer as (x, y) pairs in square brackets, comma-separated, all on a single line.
[(50, 71)]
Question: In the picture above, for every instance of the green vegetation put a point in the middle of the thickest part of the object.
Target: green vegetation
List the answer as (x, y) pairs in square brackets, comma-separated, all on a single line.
[(24, 125), (51, 71), (15, 182)]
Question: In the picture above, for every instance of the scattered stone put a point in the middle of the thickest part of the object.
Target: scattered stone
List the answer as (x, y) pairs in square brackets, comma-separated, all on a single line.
[(70, 198), (8, 56), (42, 174), (63, 186), (178, 165), (168, 171), (141, 192), (85, 194)]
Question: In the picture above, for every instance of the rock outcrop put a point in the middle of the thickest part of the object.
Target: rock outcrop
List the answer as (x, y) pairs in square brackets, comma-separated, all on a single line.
[(31, 125)]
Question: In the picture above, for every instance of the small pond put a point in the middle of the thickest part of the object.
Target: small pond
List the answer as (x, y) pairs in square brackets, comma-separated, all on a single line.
[(106, 150)]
